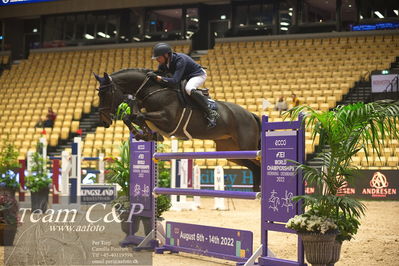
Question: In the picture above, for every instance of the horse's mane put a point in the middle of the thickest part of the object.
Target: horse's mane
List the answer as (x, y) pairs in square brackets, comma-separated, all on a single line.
[(122, 78), (141, 70)]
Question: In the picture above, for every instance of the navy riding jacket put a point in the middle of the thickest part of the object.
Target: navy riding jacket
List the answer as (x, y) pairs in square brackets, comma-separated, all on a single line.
[(182, 67)]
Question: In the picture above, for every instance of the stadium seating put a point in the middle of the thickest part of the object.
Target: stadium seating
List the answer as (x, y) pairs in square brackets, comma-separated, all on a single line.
[(319, 71)]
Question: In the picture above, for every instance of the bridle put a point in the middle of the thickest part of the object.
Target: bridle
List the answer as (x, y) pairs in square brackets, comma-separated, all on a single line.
[(103, 89), (112, 85)]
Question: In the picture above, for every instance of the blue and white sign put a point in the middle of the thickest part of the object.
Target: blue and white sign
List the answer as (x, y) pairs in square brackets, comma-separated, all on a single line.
[(13, 2)]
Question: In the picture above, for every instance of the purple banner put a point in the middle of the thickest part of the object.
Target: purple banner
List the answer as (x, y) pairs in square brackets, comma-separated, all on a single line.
[(281, 178), (141, 173), (13, 2), (211, 241)]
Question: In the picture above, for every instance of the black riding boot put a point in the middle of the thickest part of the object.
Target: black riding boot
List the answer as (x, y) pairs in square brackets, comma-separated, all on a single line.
[(211, 115)]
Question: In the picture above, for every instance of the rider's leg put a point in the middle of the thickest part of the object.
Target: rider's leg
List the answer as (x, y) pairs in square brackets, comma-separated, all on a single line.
[(191, 88)]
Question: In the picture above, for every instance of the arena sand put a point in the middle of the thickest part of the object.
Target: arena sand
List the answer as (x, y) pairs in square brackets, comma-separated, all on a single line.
[(377, 242)]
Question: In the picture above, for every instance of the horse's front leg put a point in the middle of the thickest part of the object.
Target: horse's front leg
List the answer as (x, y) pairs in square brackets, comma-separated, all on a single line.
[(128, 122), (154, 117)]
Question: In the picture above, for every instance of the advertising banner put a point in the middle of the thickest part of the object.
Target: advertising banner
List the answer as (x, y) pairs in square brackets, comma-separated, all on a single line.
[(237, 180), (208, 239), (367, 184), (375, 185), (97, 193), (13, 2), (379, 83)]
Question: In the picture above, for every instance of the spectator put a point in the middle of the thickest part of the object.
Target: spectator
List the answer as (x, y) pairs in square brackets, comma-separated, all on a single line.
[(295, 100), (281, 105), (39, 123), (51, 115)]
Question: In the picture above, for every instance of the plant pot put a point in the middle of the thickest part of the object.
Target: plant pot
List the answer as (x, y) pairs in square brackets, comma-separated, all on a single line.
[(134, 224), (318, 247), (39, 200), (336, 253), (125, 225), (7, 234), (7, 191)]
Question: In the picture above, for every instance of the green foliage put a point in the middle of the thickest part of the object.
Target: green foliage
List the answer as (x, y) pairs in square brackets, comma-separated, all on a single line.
[(163, 202), (122, 203), (119, 169), (8, 165), (343, 132), (39, 176), (347, 226), (8, 209)]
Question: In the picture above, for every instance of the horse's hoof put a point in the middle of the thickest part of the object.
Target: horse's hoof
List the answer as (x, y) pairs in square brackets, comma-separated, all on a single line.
[(138, 137), (157, 137)]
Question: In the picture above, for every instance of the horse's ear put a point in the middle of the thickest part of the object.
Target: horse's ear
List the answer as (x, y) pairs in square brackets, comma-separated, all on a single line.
[(106, 77), (97, 77)]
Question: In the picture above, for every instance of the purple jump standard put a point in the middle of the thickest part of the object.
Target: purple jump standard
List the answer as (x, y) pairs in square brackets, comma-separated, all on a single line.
[(210, 193)]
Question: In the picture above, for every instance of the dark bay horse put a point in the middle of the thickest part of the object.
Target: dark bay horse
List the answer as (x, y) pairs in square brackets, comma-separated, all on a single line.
[(236, 129)]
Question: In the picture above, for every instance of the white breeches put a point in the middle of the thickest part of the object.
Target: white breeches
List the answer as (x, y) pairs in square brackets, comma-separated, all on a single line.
[(195, 82)]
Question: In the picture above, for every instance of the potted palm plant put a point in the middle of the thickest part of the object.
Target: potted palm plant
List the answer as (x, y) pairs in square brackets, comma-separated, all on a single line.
[(8, 167), (8, 219), (342, 132), (38, 181)]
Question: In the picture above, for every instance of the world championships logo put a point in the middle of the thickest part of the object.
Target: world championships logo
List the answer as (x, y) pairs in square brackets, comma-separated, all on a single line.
[(6, 1)]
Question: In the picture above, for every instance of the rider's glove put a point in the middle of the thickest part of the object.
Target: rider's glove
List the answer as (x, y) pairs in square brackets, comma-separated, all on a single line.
[(151, 75)]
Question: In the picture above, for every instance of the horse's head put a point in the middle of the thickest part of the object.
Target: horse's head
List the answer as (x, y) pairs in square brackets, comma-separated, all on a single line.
[(110, 98)]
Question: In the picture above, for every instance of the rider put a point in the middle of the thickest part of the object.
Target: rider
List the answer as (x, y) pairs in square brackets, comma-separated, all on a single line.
[(182, 67)]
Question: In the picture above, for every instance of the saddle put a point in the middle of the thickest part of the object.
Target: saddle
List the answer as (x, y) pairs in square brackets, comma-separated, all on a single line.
[(186, 101)]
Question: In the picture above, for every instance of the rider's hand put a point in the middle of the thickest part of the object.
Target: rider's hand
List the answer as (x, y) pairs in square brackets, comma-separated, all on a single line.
[(152, 75)]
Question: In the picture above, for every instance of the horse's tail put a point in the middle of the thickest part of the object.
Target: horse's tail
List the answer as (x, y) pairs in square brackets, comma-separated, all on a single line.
[(259, 122)]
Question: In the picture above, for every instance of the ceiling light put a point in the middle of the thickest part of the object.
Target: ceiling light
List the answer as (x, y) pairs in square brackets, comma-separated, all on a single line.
[(102, 34), (136, 39), (283, 23), (378, 14), (89, 37), (396, 12), (290, 14), (35, 30), (223, 17), (284, 28)]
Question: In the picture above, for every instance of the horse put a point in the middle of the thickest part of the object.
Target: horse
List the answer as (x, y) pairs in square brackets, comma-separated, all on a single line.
[(160, 109)]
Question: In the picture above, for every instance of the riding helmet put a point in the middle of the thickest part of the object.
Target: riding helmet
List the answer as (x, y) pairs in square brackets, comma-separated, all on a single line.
[(161, 49)]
